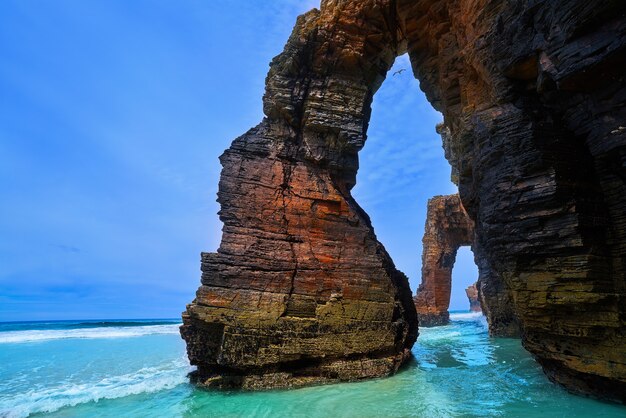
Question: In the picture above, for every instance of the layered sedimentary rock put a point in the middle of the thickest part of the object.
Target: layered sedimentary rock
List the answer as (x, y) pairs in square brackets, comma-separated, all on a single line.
[(472, 297), (300, 291), (447, 228), (533, 97)]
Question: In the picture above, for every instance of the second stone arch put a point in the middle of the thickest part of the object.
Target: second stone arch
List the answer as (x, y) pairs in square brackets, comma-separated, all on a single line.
[(448, 227)]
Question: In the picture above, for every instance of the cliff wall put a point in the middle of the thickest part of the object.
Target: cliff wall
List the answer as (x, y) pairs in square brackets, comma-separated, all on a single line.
[(533, 96)]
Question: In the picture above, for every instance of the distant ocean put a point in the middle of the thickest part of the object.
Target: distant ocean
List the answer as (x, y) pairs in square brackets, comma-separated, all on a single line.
[(131, 368)]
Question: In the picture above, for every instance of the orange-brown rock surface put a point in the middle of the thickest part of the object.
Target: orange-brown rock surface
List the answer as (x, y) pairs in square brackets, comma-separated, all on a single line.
[(533, 97), (300, 290), (472, 297), (447, 228)]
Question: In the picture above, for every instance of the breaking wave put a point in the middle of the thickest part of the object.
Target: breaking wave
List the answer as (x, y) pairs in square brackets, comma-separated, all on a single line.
[(466, 316), (48, 325), (145, 380), (98, 332)]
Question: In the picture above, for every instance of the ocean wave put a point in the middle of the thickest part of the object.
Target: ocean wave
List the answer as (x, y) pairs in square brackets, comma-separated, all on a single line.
[(50, 325), (101, 332), (46, 400), (466, 316), (104, 324)]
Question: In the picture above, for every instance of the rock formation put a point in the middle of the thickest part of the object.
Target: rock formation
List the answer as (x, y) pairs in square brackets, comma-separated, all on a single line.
[(533, 97), (447, 228), (300, 291), (472, 296)]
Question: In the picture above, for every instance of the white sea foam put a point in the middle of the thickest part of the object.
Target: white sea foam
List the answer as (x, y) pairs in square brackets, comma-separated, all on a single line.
[(104, 332), (146, 380), (466, 316), (476, 317)]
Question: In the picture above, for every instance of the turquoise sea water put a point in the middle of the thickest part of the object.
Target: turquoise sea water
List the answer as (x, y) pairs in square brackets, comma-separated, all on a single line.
[(139, 368)]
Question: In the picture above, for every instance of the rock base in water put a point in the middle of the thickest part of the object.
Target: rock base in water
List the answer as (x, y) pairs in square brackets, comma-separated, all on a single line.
[(302, 375)]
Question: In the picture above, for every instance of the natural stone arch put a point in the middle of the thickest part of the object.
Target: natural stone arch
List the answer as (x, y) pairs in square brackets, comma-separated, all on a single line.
[(533, 98), (300, 290), (447, 229)]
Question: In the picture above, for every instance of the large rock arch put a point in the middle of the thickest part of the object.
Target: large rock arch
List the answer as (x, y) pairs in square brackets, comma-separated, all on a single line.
[(447, 229), (300, 290), (533, 97)]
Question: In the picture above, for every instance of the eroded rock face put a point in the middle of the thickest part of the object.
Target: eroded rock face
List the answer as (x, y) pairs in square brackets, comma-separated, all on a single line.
[(447, 228), (533, 97), (472, 297), (300, 290)]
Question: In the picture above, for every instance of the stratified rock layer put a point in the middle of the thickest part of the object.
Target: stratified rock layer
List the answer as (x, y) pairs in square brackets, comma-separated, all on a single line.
[(472, 297), (533, 97), (300, 290), (447, 228)]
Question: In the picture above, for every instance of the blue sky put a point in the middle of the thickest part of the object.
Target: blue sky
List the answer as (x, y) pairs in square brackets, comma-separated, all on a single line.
[(112, 116)]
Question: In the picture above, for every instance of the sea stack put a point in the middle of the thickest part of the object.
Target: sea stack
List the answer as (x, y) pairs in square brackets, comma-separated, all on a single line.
[(300, 290), (472, 297)]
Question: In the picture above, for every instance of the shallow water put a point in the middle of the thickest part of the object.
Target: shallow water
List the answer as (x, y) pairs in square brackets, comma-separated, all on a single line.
[(74, 369)]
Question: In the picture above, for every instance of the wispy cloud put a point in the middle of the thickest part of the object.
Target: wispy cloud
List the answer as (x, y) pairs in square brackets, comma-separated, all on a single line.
[(66, 248)]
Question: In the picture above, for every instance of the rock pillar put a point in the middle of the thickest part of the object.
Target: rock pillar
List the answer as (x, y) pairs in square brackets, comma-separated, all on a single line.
[(472, 297), (447, 228), (300, 291)]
